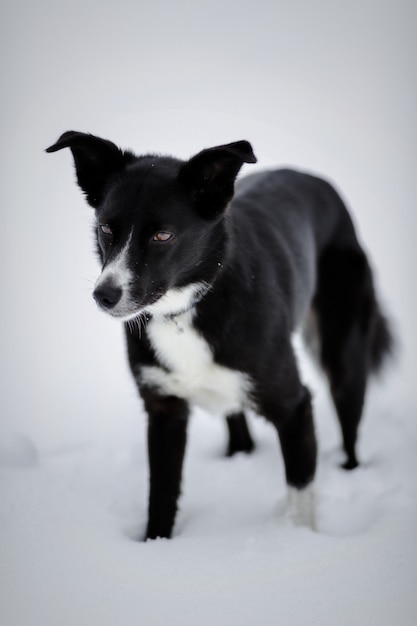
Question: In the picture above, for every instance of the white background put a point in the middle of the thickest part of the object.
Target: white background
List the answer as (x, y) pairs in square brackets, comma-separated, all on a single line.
[(324, 86)]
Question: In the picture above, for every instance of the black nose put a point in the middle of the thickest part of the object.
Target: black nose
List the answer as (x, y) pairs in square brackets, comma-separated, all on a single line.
[(107, 296)]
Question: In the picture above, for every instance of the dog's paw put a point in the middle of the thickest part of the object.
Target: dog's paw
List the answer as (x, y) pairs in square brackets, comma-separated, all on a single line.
[(302, 506), (350, 464)]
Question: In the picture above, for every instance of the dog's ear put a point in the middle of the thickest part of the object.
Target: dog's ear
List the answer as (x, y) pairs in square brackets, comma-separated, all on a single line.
[(96, 160), (210, 175)]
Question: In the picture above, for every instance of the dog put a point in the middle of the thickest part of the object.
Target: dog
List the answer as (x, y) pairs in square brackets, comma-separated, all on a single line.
[(211, 277)]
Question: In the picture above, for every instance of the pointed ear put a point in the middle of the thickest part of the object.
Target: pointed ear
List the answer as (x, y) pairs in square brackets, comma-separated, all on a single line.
[(210, 175), (96, 160)]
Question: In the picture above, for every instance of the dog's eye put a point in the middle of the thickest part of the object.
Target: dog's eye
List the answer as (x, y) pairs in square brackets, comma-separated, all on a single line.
[(106, 230), (162, 237)]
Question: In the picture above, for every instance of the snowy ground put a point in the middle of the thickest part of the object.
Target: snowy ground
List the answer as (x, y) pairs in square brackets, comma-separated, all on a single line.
[(71, 516), (324, 86)]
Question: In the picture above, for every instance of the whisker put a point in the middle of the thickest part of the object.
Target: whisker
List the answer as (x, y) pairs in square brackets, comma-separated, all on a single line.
[(88, 280), (137, 324)]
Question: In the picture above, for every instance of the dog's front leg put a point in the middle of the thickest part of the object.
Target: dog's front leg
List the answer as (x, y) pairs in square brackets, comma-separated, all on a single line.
[(167, 434)]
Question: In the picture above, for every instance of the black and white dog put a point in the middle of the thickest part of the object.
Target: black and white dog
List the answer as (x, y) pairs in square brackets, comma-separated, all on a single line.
[(211, 280)]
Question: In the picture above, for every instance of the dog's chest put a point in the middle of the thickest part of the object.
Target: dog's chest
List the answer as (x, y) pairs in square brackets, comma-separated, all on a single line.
[(188, 369)]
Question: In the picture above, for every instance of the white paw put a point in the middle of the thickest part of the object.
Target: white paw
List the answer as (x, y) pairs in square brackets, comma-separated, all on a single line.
[(301, 506)]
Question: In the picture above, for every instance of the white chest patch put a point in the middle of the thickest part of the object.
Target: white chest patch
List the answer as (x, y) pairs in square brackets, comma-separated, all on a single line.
[(192, 373)]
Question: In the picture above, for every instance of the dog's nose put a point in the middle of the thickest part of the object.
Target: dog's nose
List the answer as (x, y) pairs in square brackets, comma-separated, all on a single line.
[(107, 296)]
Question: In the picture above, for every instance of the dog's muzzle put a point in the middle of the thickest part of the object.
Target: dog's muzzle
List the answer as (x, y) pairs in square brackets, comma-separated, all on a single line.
[(107, 295)]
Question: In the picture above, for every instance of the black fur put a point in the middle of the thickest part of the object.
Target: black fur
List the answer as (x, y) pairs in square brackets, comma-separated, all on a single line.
[(240, 439), (269, 249)]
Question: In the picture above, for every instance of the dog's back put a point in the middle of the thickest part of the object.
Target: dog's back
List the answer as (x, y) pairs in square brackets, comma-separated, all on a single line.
[(325, 260)]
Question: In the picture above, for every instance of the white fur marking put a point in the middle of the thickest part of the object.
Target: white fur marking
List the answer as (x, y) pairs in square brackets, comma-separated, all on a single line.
[(301, 506), (193, 374), (177, 300), (119, 274)]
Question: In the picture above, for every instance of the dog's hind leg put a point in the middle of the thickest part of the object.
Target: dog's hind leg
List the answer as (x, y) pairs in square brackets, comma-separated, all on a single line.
[(299, 449), (240, 439), (344, 303), (292, 416), (348, 377)]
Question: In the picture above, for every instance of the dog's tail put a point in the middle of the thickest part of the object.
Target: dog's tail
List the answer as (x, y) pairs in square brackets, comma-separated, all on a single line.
[(352, 327), (377, 335), (381, 340)]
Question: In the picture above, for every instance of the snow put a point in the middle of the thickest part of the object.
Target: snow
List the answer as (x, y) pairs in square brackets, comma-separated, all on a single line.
[(70, 525), (317, 88)]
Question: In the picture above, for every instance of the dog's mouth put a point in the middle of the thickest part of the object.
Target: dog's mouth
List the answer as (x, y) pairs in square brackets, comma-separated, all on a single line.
[(115, 299), (169, 303)]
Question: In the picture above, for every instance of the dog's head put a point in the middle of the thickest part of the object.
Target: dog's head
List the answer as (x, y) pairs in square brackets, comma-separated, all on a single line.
[(161, 227)]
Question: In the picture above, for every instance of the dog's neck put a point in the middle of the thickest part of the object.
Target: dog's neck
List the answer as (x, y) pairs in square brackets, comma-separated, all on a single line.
[(177, 301)]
